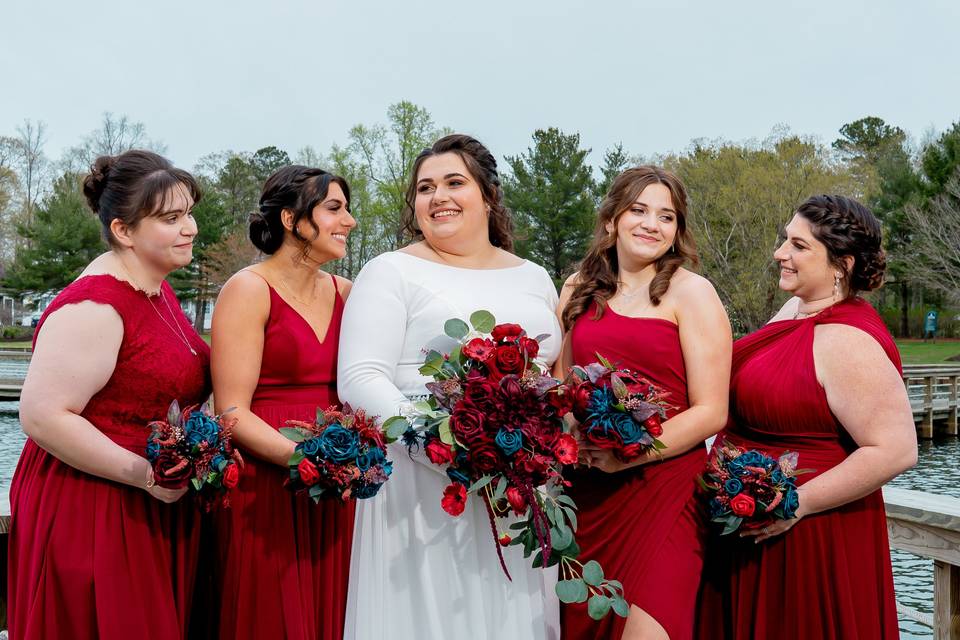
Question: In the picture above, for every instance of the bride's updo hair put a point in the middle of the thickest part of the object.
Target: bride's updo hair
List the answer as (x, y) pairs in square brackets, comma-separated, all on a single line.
[(483, 168), (847, 228), (131, 186)]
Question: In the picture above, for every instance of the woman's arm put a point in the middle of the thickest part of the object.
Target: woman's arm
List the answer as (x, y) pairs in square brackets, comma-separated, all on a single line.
[(74, 358), (239, 318), (706, 342), (868, 397)]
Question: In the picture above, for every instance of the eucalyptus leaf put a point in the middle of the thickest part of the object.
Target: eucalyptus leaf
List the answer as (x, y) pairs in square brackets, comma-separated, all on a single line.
[(567, 500), (621, 607), (480, 484), (482, 321), (593, 573), (598, 606), (561, 538), (456, 328), (446, 435), (197, 483), (732, 525), (394, 427), (296, 457), (571, 591), (501, 491), (291, 433)]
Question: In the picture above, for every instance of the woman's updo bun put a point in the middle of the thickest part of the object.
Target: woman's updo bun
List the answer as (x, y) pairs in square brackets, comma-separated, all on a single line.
[(131, 186), (298, 189), (847, 228)]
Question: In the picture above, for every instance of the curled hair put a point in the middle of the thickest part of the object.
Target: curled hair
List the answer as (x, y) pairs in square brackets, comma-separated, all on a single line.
[(483, 168), (131, 186), (599, 271), (299, 189), (847, 228)]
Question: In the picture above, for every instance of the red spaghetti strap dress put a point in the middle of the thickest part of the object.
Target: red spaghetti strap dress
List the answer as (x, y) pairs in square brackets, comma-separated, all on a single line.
[(829, 576), (643, 524), (92, 558), (285, 559)]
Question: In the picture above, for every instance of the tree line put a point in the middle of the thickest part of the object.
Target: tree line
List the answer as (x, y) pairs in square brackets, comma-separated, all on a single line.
[(741, 194)]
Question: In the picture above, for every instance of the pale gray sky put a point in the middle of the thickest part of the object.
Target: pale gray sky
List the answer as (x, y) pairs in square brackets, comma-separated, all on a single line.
[(207, 76)]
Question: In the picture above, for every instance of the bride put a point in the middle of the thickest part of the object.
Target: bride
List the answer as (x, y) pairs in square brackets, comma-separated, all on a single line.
[(417, 573)]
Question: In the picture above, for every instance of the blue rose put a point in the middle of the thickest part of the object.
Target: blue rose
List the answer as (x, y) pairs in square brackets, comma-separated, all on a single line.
[(311, 447), (790, 503), (201, 428), (756, 459), (456, 475), (370, 458), (339, 445), (509, 441), (217, 461), (716, 508), (777, 476), (153, 450), (366, 491), (733, 486), (628, 428), (601, 401)]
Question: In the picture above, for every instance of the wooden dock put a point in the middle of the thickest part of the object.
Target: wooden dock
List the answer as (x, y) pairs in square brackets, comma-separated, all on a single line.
[(933, 391)]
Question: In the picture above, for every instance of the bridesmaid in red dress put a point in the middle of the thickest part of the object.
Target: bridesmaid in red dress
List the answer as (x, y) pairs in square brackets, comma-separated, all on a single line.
[(284, 560), (633, 303), (822, 378), (97, 550)]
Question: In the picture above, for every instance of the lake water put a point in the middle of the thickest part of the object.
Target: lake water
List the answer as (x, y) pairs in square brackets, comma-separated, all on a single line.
[(937, 472)]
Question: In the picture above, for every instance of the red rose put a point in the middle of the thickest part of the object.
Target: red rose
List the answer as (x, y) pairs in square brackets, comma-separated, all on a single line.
[(171, 470), (309, 475), (479, 349), (517, 502), (503, 332), (609, 440), (742, 505), (466, 422), (479, 391), (630, 452), (509, 360), (566, 449), (484, 456), (438, 452), (454, 499), (652, 425), (529, 347), (231, 476)]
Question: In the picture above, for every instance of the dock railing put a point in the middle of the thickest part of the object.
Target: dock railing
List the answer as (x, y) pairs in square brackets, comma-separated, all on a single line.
[(933, 391)]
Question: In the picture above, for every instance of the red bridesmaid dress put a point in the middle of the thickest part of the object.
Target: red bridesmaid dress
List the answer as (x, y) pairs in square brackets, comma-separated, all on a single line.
[(285, 560), (92, 558), (829, 576), (643, 525)]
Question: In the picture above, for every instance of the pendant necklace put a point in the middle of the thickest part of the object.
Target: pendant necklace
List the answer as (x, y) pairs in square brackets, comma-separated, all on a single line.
[(178, 332)]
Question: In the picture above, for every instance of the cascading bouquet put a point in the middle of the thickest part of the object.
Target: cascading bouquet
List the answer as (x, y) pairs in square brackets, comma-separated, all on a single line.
[(342, 454), (749, 488), (194, 447), (490, 421), (617, 408)]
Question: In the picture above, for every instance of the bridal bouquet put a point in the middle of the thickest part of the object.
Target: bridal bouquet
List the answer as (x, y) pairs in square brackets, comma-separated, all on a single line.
[(617, 408), (490, 421), (749, 488), (193, 447), (342, 454)]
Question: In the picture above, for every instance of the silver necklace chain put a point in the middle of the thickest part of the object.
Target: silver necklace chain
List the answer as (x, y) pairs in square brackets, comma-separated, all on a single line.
[(178, 332)]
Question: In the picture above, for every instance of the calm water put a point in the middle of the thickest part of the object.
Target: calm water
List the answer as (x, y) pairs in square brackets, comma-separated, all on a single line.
[(937, 472)]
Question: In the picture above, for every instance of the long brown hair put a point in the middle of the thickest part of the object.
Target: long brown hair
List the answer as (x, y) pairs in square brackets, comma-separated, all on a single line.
[(597, 280), (483, 168)]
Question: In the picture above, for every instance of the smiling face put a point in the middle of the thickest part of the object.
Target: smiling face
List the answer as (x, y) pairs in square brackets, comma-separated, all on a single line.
[(805, 268), (164, 240), (647, 228), (333, 224), (449, 205)]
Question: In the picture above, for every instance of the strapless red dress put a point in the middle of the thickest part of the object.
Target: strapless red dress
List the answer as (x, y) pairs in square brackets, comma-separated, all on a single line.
[(643, 524), (92, 558), (828, 577), (285, 560)]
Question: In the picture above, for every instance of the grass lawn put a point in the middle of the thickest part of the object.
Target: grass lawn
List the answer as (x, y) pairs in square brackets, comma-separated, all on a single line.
[(919, 352)]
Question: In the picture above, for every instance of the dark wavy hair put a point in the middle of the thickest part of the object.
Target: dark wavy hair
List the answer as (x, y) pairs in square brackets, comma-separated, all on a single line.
[(483, 168), (299, 189), (132, 186), (597, 279), (847, 228)]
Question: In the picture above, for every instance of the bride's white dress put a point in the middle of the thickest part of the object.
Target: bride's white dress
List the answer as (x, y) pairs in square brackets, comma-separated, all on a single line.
[(416, 572)]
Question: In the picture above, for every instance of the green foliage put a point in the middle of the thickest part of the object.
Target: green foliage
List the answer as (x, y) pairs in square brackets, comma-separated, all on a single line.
[(551, 193), (60, 240), (940, 160), (615, 161)]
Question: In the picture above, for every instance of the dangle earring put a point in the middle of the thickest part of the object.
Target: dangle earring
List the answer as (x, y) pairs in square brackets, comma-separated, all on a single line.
[(836, 286)]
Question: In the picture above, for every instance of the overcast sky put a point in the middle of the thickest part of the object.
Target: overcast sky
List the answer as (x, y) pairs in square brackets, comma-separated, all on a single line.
[(208, 76)]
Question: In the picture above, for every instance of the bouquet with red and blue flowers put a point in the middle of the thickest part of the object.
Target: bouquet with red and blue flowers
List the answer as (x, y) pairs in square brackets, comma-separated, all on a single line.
[(194, 447), (617, 409), (749, 488), (490, 421), (342, 454)]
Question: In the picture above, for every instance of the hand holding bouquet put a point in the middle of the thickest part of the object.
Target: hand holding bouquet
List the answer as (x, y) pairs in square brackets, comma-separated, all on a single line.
[(342, 454), (749, 488), (193, 447)]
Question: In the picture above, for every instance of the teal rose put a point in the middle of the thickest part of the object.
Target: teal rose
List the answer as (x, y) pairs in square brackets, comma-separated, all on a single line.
[(339, 445)]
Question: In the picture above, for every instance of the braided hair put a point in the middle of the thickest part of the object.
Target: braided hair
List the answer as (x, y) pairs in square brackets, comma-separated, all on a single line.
[(483, 168), (847, 228)]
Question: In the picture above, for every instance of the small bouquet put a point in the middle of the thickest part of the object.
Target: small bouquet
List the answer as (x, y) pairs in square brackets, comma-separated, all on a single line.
[(194, 447), (342, 453), (617, 408), (749, 488), (490, 421)]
